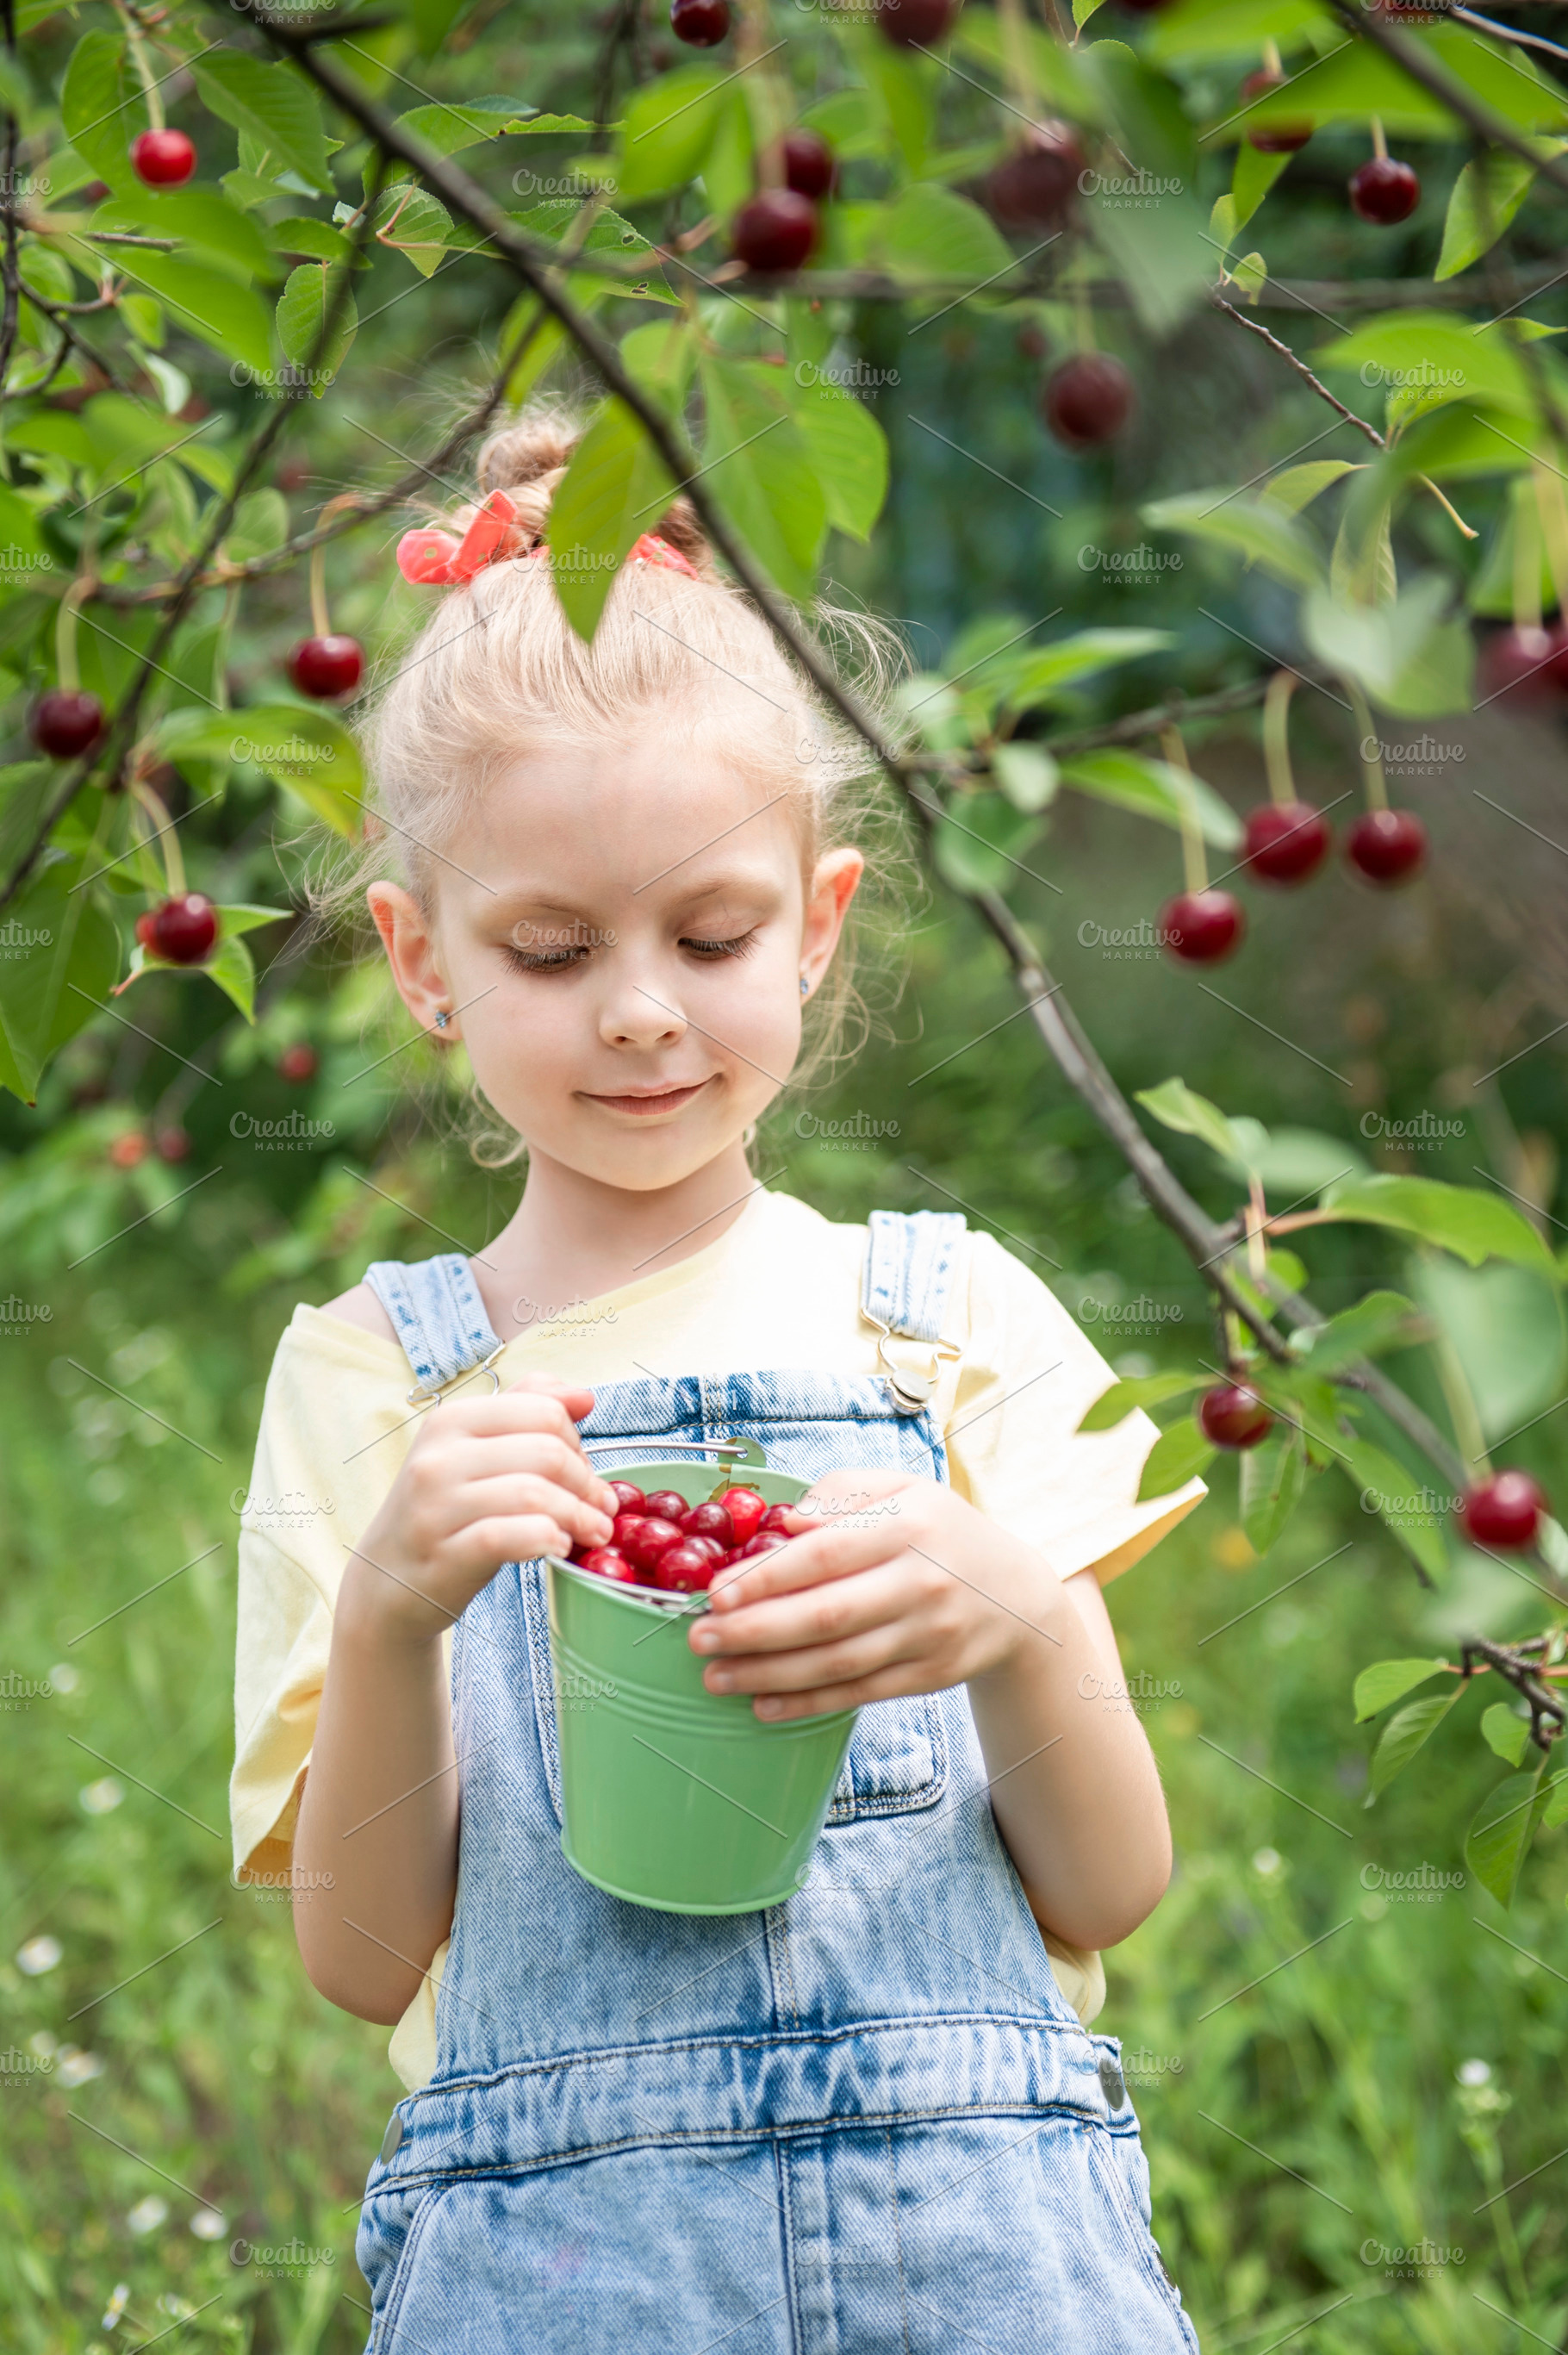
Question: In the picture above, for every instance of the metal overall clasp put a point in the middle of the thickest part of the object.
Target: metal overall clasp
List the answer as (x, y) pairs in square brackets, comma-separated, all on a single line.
[(911, 1389)]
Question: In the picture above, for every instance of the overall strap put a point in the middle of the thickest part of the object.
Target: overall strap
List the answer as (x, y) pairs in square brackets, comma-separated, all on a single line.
[(910, 1262), (438, 1315)]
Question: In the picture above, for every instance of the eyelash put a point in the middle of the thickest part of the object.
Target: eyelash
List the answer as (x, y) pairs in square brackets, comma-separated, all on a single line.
[(564, 960)]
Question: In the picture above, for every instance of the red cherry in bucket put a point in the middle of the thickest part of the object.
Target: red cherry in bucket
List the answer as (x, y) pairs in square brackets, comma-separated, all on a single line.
[(1505, 1511), (711, 1520), (607, 1562), (652, 1539), (628, 1499), (667, 1505), (163, 159), (685, 1569), (1287, 841), (745, 1509), (765, 1541), (1201, 927), (1233, 1416)]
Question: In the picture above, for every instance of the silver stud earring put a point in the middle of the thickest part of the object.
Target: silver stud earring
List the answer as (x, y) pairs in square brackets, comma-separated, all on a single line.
[(441, 1019), (805, 987)]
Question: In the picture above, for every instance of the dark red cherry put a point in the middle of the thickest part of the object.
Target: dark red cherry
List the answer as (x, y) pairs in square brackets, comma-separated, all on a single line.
[(700, 23), (774, 231), (915, 24), (1386, 845), (606, 1561), (628, 1499), (182, 930), (1233, 1416), (1035, 185), (1384, 191), (1088, 399), (1502, 1511), (765, 1541), (172, 1144), (775, 1518), (745, 1509), (667, 1505), (163, 159), (684, 1569), (297, 1063), (1273, 138), (1287, 841), (809, 167), (709, 1546), (652, 1537), (66, 723), (1201, 927), (1529, 663), (328, 666), (711, 1520)]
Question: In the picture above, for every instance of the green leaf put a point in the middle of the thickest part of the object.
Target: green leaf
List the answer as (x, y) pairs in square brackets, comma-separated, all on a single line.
[(196, 217), (448, 130), (661, 357), (1300, 1161), (849, 454), (905, 83), (1056, 72), (260, 523), (1255, 526), (1504, 1326), (1410, 1512), (206, 304), (1362, 81), (1254, 176), (1177, 1455), (982, 849), (1195, 30), (1378, 1322), (102, 106), (1390, 1680), (1502, 1830), (1484, 198), (274, 104), (729, 168), (1557, 1803), (1181, 1108), (244, 916), (303, 309), (1272, 1479), (1433, 352), (1458, 1219), (1505, 1732), (1114, 1406), (410, 222), (1299, 485), (1158, 248), (307, 239), (546, 125), (62, 963), (928, 231), (757, 461), (616, 488), (1038, 674), (1250, 276), (670, 125), (1405, 1734), (1154, 789), (1410, 658), (231, 966), (1027, 774), (308, 751)]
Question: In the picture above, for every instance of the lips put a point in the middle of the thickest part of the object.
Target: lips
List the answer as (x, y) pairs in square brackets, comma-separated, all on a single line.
[(645, 1105)]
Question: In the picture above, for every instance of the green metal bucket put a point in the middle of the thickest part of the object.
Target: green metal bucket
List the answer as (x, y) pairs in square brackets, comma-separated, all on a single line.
[(674, 1797)]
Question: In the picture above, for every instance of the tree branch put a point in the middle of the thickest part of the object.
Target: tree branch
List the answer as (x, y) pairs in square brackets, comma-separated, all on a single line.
[(1441, 85)]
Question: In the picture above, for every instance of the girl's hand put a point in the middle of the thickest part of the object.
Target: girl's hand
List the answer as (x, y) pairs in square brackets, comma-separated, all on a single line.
[(894, 1585), (488, 1480)]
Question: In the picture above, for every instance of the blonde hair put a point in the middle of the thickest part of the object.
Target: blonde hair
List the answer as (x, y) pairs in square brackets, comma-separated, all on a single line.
[(498, 669)]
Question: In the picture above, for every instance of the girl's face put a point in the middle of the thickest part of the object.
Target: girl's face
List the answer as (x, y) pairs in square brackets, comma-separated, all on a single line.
[(620, 935)]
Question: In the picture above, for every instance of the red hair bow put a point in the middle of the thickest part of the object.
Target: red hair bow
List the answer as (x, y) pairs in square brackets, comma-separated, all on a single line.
[(435, 559)]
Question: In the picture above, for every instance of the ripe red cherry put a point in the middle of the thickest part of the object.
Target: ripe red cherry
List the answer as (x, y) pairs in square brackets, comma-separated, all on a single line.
[(1233, 1416), (809, 167), (128, 1148), (1287, 841), (182, 931), (326, 667), (66, 723), (172, 1144), (1384, 191), (1387, 845), (775, 1518), (1273, 138), (915, 24), (711, 1520), (745, 1509), (685, 1569), (766, 1541), (1201, 927), (1034, 187), (700, 23), (1088, 399), (1503, 1511), (1531, 662), (625, 1531), (297, 1063), (605, 1561), (774, 231), (667, 1505), (653, 1537), (164, 159), (628, 1499)]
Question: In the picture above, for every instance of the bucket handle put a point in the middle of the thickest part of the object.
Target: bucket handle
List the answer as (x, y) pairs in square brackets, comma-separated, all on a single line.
[(731, 1452)]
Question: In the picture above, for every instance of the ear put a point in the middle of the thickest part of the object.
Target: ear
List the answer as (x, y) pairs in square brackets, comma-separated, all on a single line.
[(835, 880), (411, 952)]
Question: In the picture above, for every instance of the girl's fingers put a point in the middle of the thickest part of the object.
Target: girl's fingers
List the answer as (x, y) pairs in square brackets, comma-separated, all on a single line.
[(542, 1454), (520, 1494), (891, 1684), (807, 1560), (520, 1537), (819, 1668), (815, 1616)]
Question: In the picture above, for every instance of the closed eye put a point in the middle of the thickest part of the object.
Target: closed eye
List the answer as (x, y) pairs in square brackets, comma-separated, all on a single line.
[(741, 945), (545, 960)]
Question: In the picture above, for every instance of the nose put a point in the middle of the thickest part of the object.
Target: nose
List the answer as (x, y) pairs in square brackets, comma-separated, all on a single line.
[(642, 1014)]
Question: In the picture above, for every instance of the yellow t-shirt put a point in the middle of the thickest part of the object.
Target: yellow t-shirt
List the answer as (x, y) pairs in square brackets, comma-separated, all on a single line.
[(781, 1288)]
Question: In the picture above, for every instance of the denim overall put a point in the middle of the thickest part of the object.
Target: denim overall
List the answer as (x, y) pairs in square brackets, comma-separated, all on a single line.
[(864, 2120)]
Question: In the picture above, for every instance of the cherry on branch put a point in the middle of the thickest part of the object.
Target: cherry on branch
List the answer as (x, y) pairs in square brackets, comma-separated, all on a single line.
[(916, 24), (1233, 1416), (1387, 845), (328, 667), (1504, 1511), (808, 162), (1201, 927), (774, 231), (1384, 191), (1035, 187), (67, 722), (1287, 841), (297, 1063), (1529, 660), (1088, 399), (1273, 138), (163, 159), (182, 930), (701, 23)]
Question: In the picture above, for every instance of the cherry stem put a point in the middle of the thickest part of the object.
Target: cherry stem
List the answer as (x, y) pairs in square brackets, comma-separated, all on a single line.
[(1527, 522), (1373, 761), (1553, 518), (319, 621), (1256, 1221), (1192, 853), (1272, 62), (775, 103), (71, 603), (139, 55), (1380, 145), (1461, 1404), (1276, 737), (1448, 507), (1015, 54), (163, 832)]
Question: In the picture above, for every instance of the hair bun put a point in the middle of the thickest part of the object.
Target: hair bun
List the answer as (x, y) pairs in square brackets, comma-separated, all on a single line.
[(528, 461)]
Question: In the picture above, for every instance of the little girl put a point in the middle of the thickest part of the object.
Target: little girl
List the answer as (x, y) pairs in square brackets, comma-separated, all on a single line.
[(871, 2117)]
